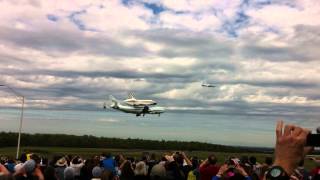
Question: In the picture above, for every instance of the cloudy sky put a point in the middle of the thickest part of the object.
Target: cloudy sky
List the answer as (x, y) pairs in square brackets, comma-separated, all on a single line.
[(263, 55)]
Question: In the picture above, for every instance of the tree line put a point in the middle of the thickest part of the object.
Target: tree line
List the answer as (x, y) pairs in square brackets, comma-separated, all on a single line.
[(9, 139)]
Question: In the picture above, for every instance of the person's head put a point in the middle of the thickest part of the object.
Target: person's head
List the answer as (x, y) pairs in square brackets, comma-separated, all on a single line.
[(23, 157), (61, 162), (96, 160), (97, 172), (117, 158), (153, 156), (178, 157), (127, 170), (158, 170), (68, 173), (76, 160), (268, 161), (212, 159), (244, 160), (106, 155), (163, 158), (145, 156), (318, 130), (253, 160), (140, 169), (3, 160), (36, 158), (29, 166), (232, 162), (195, 162)]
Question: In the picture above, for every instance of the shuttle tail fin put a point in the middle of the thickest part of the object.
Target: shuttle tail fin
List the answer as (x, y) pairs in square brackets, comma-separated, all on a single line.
[(131, 95)]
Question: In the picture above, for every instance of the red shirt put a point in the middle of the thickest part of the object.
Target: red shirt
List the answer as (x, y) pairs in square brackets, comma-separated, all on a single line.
[(208, 171), (315, 171)]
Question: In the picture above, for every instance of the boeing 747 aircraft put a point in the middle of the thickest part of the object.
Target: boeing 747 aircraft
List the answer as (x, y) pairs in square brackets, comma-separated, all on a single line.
[(134, 109), (207, 85)]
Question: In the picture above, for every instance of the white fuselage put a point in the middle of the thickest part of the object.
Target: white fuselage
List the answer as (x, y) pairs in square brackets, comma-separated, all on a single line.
[(138, 110), (208, 85), (139, 102)]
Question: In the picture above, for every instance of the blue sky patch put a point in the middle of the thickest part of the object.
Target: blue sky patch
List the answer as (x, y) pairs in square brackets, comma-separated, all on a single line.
[(73, 18), (126, 2), (156, 9), (52, 17), (232, 26)]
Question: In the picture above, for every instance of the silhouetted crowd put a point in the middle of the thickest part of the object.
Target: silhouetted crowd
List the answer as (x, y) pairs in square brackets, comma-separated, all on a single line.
[(290, 153), (176, 166)]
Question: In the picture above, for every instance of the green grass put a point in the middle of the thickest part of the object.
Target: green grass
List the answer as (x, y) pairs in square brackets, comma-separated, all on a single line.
[(89, 152)]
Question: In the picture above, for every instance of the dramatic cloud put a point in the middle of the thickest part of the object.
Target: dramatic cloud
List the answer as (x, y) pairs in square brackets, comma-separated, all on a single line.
[(262, 55)]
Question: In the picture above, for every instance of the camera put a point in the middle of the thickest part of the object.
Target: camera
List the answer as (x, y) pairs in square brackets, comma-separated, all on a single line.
[(232, 163), (313, 140)]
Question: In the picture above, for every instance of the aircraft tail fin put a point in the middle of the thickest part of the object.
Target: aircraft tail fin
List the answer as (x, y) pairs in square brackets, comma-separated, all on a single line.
[(114, 101)]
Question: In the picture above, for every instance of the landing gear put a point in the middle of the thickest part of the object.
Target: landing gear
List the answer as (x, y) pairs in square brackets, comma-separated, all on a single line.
[(145, 110)]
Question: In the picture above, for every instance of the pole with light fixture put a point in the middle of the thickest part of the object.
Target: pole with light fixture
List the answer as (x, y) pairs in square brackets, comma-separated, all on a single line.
[(21, 116)]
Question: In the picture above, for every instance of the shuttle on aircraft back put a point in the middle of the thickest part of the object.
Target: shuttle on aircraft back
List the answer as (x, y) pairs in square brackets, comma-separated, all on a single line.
[(138, 102), (140, 107)]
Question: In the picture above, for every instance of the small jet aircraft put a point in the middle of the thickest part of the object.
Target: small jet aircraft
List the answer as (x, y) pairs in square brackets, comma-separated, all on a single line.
[(138, 110), (138, 102), (207, 85)]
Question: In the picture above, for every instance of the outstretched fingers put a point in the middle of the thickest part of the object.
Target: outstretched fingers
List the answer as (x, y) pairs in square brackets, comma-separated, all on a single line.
[(288, 129), (279, 129), (297, 131)]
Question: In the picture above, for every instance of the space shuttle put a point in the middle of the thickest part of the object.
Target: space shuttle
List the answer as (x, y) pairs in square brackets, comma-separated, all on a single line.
[(131, 100)]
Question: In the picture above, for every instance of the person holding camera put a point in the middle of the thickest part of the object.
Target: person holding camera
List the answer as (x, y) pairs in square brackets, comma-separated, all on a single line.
[(77, 163), (231, 169), (290, 149), (208, 168)]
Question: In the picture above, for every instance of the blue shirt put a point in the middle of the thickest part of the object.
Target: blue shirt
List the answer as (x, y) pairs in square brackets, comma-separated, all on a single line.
[(109, 164)]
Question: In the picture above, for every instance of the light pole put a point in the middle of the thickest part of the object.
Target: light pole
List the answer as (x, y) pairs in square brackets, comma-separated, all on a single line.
[(21, 116)]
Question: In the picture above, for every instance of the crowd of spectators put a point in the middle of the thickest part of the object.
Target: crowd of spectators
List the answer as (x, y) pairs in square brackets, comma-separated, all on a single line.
[(174, 166)]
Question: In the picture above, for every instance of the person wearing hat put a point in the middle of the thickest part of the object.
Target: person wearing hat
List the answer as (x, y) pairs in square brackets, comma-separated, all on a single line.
[(60, 166)]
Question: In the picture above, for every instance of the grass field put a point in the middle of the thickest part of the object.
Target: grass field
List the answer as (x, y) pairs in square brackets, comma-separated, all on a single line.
[(136, 153)]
